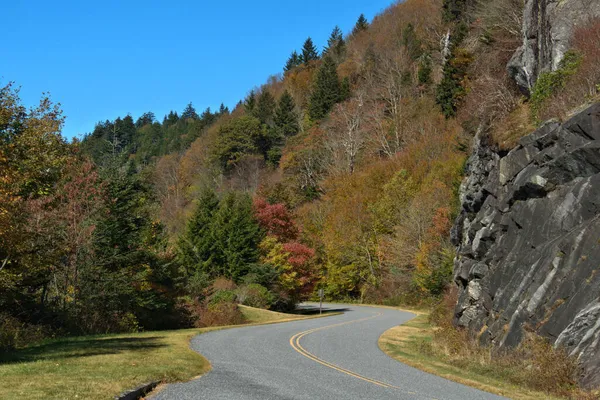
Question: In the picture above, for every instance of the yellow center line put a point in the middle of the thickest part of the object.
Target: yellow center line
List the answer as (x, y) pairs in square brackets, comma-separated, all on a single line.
[(295, 343)]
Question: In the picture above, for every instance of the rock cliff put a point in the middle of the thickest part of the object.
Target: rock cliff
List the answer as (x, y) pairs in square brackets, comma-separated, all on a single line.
[(548, 26), (528, 240)]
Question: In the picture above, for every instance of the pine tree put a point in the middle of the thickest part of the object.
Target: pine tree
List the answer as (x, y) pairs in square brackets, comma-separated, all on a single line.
[(265, 108), (207, 116), (223, 110), (195, 244), (309, 52), (250, 102), (411, 42), (147, 118), (286, 119), (189, 112), (336, 47), (292, 62), (235, 237), (327, 90), (361, 25), (170, 119)]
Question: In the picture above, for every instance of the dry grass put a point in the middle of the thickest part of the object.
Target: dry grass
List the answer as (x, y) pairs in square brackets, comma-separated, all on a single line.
[(410, 343), (518, 123), (533, 370)]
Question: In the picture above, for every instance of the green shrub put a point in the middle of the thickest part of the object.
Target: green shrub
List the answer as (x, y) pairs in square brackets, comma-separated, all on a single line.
[(548, 83), (222, 296), (255, 295)]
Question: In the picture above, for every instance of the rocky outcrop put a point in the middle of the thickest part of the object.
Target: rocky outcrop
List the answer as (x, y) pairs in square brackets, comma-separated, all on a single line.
[(548, 27), (528, 240)]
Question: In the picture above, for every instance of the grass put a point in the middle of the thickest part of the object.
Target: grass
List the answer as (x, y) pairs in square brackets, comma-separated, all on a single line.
[(100, 367), (410, 344)]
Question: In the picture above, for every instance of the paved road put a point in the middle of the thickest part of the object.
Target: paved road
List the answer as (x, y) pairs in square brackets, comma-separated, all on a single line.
[(325, 358)]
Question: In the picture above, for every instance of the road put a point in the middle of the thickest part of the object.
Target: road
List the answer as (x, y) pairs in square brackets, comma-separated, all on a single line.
[(335, 357)]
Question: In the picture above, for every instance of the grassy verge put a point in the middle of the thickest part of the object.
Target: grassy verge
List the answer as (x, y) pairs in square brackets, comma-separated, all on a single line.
[(410, 344), (99, 367)]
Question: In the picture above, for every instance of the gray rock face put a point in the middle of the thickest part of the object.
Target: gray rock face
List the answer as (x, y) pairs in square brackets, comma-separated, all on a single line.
[(528, 240), (548, 27)]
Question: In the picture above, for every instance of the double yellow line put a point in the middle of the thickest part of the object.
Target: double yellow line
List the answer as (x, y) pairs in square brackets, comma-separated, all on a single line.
[(295, 343)]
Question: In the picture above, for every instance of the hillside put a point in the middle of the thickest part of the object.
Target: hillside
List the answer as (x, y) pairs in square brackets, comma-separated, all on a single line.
[(342, 172)]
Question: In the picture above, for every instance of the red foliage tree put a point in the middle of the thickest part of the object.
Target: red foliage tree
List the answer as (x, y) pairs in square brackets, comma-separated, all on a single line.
[(276, 220)]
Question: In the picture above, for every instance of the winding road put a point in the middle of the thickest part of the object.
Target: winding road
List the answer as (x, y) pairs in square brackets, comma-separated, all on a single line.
[(324, 358)]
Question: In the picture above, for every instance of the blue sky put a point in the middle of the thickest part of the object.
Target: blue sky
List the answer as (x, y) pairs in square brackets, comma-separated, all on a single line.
[(103, 59)]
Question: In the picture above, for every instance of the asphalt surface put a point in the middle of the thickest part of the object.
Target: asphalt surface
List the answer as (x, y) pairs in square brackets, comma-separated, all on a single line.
[(335, 357)]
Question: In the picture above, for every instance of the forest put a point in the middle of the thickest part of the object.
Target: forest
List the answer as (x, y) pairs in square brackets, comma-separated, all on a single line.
[(341, 172)]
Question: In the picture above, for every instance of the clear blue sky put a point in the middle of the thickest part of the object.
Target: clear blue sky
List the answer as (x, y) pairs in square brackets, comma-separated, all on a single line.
[(103, 59)]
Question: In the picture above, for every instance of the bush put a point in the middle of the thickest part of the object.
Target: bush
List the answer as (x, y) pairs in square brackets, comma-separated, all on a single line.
[(219, 314), (222, 296), (9, 332), (549, 83), (255, 295), (14, 333)]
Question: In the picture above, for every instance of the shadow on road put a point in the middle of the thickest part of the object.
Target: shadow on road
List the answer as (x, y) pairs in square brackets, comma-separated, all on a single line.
[(312, 309)]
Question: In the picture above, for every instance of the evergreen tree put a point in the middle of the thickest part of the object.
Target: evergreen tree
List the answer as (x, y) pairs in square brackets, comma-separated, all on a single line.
[(361, 25), (345, 89), (125, 129), (309, 52), (194, 246), (292, 62), (223, 110), (171, 119), (411, 42), (208, 117), (237, 138), (453, 10), (235, 237), (286, 118), (327, 90), (336, 47), (425, 69), (189, 113), (146, 119), (250, 102), (265, 108)]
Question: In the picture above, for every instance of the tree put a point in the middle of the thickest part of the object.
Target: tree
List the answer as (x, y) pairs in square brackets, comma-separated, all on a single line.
[(170, 119), (250, 102), (33, 156), (453, 10), (361, 25), (223, 110), (275, 220), (265, 107), (327, 90), (451, 90), (336, 46), (309, 52), (286, 119), (194, 246), (411, 42), (189, 113), (237, 138), (292, 62), (147, 118), (235, 236), (346, 135)]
